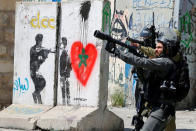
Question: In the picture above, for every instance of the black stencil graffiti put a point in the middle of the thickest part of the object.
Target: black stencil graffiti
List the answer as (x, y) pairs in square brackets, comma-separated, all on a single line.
[(84, 10), (119, 30), (65, 69), (38, 55)]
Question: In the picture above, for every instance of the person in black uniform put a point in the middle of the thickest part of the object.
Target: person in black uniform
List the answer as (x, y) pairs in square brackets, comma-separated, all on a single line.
[(38, 55), (160, 100), (65, 69)]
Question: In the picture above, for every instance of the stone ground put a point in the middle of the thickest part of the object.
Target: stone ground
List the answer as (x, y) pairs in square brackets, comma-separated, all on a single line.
[(185, 120)]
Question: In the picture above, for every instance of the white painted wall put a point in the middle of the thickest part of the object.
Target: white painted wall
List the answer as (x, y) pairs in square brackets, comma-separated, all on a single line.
[(24, 39), (74, 29)]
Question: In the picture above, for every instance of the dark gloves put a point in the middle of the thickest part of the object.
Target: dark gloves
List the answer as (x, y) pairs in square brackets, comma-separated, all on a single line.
[(111, 48)]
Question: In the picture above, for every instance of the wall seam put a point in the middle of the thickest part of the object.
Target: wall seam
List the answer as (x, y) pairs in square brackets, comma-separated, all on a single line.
[(58, 36)]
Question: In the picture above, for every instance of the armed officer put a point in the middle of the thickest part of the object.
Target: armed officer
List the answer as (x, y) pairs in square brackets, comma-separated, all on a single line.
[(161, 68), (146, 50), (150, 52)]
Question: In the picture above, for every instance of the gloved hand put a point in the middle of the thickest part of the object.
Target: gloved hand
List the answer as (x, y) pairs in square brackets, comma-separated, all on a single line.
[(110, 47), (116, 52)]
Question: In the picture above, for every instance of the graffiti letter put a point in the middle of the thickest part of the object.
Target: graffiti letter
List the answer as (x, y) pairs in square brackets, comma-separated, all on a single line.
[(43, 21), (185, 27), (49, 23), (32, 22), (106, 17)]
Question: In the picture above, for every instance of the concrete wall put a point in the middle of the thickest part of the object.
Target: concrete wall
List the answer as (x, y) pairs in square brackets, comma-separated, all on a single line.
[(79, 67), (40, 28), (185, 21), (136, 14), (34, 64)]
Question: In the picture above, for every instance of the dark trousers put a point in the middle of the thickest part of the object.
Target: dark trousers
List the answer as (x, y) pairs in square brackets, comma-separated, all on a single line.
[(157, 120), (39, 83)]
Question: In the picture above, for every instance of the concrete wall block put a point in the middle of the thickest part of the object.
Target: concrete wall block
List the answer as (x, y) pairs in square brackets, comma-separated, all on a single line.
[(34, 65), (100, 120), (4, 19), (7, 5), (21, 116), (80, 119), (80, 85), (63, 117), (9, 35)]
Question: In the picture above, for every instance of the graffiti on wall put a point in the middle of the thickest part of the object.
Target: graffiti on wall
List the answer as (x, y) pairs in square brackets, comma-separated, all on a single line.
[(83, 60), (189, 51), (21, 87), (151, 3), (42, 22), (24, 110), (187, 25), (142, 18), (38, 55), (65, 69), (106, 17), (185, 28), (116, 72), (83, 54), (119, 29)]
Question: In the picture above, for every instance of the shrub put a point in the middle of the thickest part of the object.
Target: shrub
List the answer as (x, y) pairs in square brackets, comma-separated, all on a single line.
[(117, 98)]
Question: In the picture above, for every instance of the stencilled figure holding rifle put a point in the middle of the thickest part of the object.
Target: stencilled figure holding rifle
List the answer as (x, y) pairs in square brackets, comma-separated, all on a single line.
[(38, 55)]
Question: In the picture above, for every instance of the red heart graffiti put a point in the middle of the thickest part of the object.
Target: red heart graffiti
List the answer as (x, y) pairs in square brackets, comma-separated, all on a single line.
[(83, 60)]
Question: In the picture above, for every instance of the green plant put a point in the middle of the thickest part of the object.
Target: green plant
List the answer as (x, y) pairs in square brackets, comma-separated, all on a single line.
[(117, 98)]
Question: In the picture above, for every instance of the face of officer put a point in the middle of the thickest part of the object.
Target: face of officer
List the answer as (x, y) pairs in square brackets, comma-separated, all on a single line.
[(159, 49)]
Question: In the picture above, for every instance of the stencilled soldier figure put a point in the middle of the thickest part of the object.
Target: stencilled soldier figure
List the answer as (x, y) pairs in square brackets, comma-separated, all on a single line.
[(65, 69), (38, 55)]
